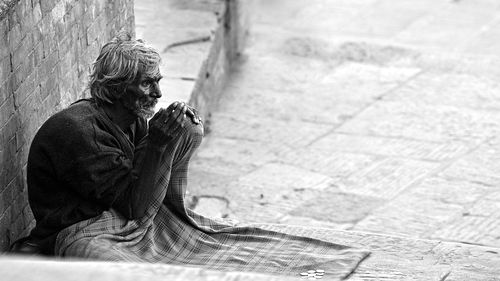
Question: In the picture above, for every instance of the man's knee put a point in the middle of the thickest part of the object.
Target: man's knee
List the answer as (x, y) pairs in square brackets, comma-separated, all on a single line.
[(193, 132), (189, 139)]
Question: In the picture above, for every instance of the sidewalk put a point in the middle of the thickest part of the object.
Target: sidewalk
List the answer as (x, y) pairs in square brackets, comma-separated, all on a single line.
[(367, 123), (372, 117)]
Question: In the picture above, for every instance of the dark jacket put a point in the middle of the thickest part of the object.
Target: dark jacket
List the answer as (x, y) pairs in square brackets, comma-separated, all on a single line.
[(79, 165)]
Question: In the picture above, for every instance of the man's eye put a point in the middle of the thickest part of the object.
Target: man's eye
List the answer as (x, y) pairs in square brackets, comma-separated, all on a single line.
[(145, 83)]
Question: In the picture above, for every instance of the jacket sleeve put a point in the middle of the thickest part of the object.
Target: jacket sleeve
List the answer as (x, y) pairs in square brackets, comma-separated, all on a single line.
[(93, 162)]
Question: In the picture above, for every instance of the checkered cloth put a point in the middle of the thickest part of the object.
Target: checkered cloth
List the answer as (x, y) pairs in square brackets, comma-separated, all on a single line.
[(171, 233)]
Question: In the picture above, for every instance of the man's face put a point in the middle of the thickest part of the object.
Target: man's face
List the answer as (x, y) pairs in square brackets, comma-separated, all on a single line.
[(141, 97)]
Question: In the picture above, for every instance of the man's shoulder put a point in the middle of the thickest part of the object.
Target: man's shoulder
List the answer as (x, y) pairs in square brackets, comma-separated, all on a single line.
[(82, 109), (77, 117)]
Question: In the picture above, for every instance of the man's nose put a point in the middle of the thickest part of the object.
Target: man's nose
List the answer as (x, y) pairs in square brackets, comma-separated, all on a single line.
[(155, 90)]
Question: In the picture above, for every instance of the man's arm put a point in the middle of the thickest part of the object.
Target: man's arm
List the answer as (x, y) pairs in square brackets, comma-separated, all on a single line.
[(163, 129)]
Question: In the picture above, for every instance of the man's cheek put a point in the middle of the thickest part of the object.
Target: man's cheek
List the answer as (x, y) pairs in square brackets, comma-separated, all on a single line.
[(136, 92)]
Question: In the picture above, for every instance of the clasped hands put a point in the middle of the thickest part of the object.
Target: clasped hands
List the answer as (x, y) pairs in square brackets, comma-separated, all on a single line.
[(166, 124)]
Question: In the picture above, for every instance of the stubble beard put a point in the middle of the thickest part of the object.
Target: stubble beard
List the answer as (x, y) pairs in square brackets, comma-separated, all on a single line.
[(144, 110), (142, 107)]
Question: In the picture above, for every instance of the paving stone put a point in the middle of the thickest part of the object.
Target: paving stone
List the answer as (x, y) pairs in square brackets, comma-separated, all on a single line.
[(338, 207), (294, 106), (343, 93), (354, 81), (484, 42), (305, 221), (472, 258), (452, 89), (237, 151), (469, 276), (388, 177), (391, 18), (218, 166), (386, 271), (212, 206), (273, 190), (213, 176), (459, 63), (478, 166), (328, 162), (337, 75), (400, 248), (271, 73), (280, 134), (472, 229), (203, 183), (432, 123), (410, 216), (449, 27), (335, 16), (386, 146), (457, 192), (487, 206)]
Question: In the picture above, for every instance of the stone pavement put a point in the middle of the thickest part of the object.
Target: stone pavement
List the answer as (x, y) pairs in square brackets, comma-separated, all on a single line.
[(378, 119), (369, 123)]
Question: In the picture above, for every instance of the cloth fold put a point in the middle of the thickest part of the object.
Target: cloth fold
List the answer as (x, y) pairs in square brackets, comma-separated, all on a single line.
[(171, 233)]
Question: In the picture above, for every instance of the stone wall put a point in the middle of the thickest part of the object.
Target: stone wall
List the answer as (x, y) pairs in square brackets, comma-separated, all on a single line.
[(227, 45), (46, 49)]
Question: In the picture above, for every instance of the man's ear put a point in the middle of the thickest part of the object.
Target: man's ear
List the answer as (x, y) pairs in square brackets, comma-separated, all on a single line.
[(119, 90)]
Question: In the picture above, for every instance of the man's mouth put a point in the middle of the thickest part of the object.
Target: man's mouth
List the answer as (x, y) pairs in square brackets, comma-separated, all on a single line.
[(150, 105), (148, 109)]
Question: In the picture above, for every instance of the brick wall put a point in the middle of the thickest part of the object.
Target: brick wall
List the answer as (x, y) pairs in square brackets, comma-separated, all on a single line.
[(46, 48)]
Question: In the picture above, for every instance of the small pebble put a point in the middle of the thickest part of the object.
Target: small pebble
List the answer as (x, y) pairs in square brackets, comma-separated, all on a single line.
[(311, 271), (320, 271), (304, 273)]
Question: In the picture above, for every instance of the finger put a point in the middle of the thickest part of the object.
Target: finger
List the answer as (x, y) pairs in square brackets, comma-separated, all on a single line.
[(157, 115), (177, 112), (172, 118), (172, 106), (192, 114), (190, 111), (181, 116), (176, 105), (184, 110), (181, 120), (162, 116)]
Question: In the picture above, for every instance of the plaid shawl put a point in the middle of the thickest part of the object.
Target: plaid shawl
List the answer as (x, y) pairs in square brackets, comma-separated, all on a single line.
[(171, 233)]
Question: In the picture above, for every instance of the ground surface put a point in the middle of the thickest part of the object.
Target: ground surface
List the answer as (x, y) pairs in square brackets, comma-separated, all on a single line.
[(372, 117), (369, 123)]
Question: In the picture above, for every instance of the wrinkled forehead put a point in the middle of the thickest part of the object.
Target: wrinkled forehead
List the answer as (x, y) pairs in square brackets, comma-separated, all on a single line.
[(152, 72)]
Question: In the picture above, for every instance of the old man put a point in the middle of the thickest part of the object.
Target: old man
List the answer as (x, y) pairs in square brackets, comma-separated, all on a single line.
[(106, 184), (99, 153)]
